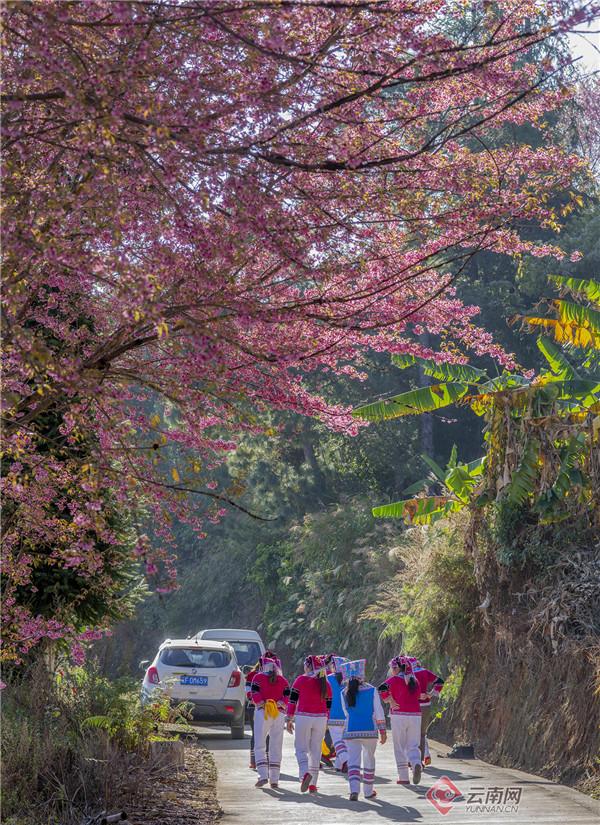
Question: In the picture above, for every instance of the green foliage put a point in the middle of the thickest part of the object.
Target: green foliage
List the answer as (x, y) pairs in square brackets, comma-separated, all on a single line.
[(522, 463), (578, 286), (422, 510), (524, 477), (457, 482), (584, 316), (413, 402), (441, 371), (569, 475), (558, 361), (576, 324), (453, 685), (523, 542)]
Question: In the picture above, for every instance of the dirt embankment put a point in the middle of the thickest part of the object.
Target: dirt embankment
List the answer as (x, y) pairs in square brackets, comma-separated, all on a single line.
[(525, 708)]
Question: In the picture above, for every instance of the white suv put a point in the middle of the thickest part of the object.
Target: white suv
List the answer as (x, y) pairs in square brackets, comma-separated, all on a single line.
[(203, 673)]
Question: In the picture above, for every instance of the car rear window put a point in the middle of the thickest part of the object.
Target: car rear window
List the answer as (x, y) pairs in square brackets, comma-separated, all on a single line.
[(194, 657), (246, 653)]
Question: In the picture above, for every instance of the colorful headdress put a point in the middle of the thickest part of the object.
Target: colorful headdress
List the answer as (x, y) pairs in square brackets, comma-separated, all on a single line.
[(333, 662), (338, 661), (316, 664), (405, 662), (269, 662), (354, 670)]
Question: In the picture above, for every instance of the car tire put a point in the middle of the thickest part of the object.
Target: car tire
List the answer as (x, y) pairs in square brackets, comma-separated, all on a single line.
[(238, 732)]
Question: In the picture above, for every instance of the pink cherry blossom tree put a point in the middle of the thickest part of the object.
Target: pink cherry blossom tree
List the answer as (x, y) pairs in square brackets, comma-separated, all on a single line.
[(205, 202)]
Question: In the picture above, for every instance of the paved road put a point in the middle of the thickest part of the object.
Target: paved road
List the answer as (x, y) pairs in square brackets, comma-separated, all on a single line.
[(541, 802)]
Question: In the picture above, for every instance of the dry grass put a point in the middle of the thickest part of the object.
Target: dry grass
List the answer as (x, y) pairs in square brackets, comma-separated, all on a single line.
[(58, 768)]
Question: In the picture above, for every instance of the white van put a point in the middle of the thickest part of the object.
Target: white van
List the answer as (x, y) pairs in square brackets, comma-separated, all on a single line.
[(247, 644)]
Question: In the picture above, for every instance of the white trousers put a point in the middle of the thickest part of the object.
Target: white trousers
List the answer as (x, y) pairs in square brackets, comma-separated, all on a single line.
[(341, 750), (406, 736), (268, 764), (361, 750), (310, 731)]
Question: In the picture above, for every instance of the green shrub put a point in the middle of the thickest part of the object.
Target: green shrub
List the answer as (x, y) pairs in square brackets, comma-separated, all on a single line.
[(523, 542)]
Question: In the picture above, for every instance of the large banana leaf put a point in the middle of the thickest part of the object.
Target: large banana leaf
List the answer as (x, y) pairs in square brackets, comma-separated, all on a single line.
[(413, 402), (434, 467), (417, 487), (576, 389), (559, 363), (522, 483), (461, 482), (404, 360), (477, 467), (572, 452), (570, 313), (443, 371), (480, 403), (567, 333), (453, 460), (579, 286), (419, 510)]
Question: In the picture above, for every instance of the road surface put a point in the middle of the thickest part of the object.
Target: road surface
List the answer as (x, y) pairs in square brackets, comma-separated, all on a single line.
[(490, 795)]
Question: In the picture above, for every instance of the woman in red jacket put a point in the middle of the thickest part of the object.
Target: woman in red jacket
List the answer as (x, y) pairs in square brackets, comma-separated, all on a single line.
[(309, 704), (402, 691), (269, 691)]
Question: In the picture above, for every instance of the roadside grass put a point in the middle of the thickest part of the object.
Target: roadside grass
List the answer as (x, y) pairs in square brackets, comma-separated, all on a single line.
[(74, 743)]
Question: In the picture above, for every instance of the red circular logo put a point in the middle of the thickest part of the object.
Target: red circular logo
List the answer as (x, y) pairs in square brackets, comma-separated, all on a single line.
[(443, 794)]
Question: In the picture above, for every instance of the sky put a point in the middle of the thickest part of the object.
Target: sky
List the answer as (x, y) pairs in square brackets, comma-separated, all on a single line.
[(586, 45)]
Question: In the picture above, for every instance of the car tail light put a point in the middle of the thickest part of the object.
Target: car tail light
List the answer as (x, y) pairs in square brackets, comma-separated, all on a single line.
[(152, 676), (235, 678), (229, 708)]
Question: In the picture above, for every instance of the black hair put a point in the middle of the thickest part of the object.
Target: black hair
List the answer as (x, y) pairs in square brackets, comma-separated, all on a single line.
[(351, 691), (323, 683), (273, 676), (412, 683), (339, 678)]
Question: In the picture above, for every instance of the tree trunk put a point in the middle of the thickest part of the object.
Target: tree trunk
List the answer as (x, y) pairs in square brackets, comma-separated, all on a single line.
[(311, 458), (425, 420)]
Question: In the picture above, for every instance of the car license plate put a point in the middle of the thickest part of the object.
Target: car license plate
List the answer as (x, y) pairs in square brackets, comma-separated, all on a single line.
[(194, 680)]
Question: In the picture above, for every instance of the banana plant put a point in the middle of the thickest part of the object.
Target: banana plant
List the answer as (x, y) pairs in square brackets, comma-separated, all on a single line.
[(562, 393), (455, 382), (574, 324), (457, 482)]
